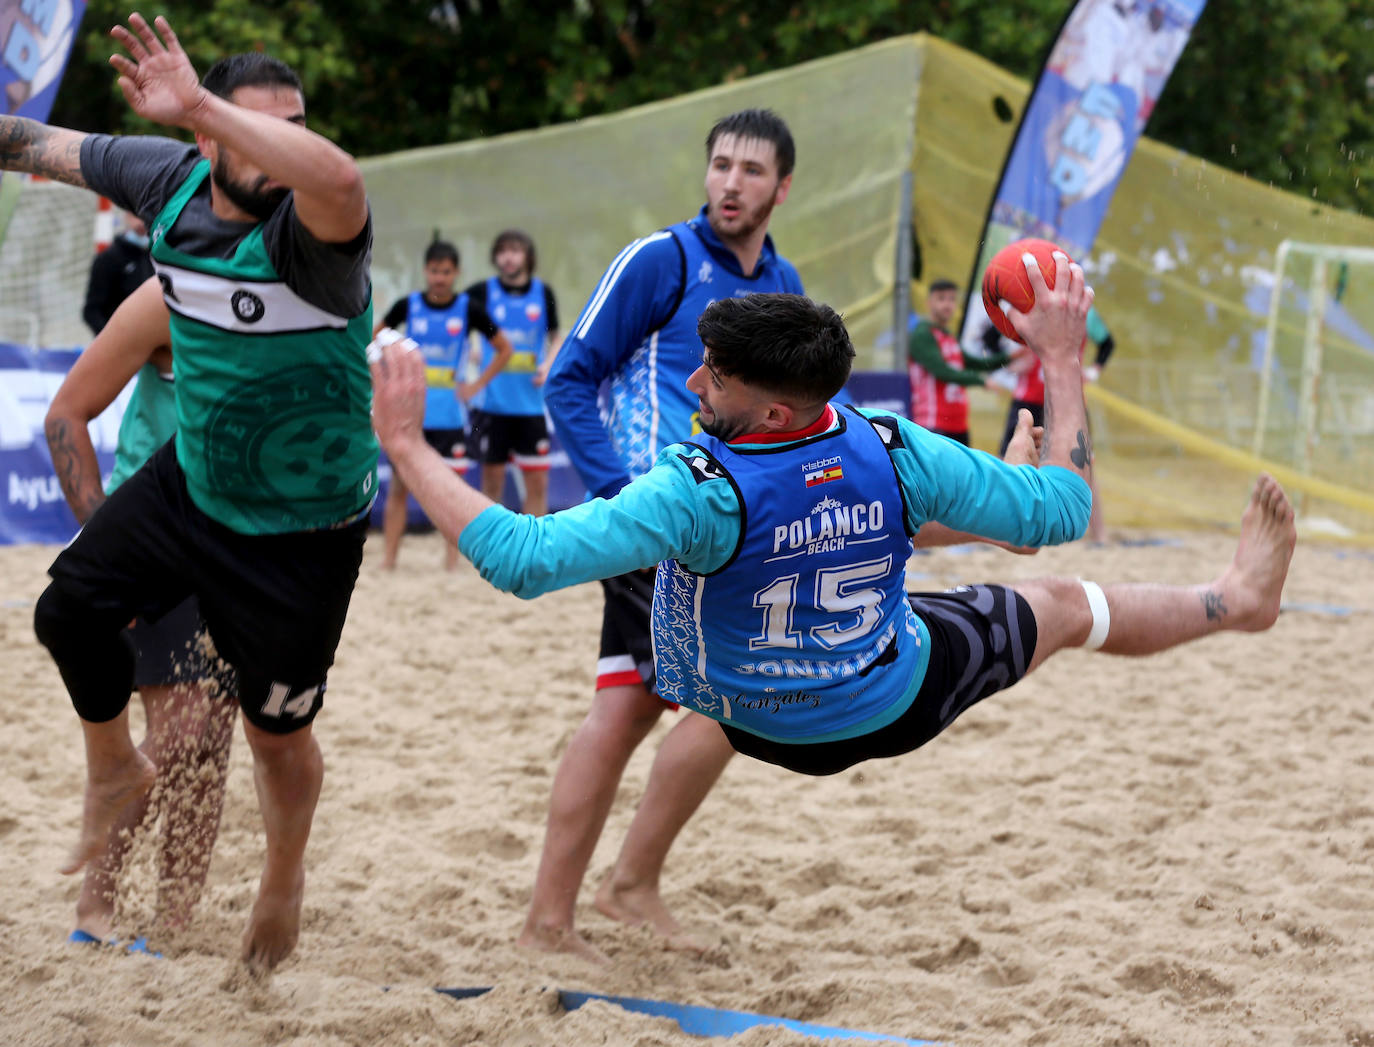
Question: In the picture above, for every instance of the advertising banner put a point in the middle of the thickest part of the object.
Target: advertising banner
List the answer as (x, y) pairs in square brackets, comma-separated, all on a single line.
[(1089, 106)]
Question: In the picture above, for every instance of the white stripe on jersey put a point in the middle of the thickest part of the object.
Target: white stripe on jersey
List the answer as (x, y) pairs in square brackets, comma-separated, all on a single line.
[(242, 306), (603, 289), (654, 416)]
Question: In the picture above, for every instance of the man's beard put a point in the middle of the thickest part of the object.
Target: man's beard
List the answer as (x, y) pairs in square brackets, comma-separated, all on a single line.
[(723, 429), (748, 222), (256, 202)]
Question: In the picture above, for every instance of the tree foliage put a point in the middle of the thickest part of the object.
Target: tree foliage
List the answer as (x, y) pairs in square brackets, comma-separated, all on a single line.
[(1282, 90)]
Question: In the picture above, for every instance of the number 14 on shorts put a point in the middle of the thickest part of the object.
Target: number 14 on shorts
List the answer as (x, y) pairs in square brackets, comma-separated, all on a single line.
[(280, 702)]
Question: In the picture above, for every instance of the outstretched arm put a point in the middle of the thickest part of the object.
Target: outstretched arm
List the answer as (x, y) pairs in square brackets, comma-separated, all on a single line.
[(34, 148), (1055, 329), (160, 84), (137, 329)]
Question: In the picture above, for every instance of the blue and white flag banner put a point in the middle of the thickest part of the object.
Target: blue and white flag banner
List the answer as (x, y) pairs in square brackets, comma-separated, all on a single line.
[(35, 40), (1090, 104)]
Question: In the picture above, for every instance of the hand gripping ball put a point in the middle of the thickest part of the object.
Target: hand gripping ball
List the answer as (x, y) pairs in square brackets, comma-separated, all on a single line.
[(1005, 279)]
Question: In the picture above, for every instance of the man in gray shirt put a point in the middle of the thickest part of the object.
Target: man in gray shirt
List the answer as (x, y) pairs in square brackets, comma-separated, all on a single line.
[(261, 238)]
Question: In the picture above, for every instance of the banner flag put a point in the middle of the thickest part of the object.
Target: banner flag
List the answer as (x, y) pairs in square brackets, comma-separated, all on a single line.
[(1090, 104), (35, 39)]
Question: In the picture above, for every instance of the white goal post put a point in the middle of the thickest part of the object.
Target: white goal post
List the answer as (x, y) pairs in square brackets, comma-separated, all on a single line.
[(1321, 256)]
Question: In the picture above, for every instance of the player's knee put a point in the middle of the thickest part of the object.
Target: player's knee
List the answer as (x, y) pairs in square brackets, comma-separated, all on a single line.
[(64, 623), (1081, 610), (92, 650), (1067, 600)]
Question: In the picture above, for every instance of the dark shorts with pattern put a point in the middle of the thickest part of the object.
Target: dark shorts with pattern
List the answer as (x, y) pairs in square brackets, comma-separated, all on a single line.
[(982, 638), (519, 438), (274, 603), (176, 649)]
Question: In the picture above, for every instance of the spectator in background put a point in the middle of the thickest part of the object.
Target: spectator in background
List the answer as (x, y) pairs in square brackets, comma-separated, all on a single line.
[(117, 272), (941, 371), (508, 424), (440, 321)]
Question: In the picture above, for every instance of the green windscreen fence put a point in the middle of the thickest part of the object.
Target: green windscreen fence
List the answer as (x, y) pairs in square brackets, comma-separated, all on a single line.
[(585, 190), (1183, 266)]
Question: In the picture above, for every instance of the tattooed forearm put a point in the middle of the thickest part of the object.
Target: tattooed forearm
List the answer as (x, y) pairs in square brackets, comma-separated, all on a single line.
[(1082, 455), (78, 472), (1213, 605), (54, 152)]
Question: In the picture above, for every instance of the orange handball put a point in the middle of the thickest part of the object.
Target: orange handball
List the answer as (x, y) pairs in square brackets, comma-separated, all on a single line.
[(1005, 279)]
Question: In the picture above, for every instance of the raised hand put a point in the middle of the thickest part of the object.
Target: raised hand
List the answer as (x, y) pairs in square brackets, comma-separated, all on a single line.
[(1056, 325), (156, 76)]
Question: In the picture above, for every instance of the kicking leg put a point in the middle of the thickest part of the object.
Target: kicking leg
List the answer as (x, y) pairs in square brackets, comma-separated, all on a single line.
[(1145, 619)]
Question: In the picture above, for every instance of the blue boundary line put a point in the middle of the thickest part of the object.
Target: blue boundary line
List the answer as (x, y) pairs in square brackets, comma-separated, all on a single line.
[(704, 1021)]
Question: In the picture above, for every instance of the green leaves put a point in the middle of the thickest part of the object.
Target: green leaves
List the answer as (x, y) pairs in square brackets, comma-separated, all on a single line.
[(1282, 90)]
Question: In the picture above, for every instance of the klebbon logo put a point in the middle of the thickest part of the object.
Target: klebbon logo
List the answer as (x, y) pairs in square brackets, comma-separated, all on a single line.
[(454, 325), (533, 311)]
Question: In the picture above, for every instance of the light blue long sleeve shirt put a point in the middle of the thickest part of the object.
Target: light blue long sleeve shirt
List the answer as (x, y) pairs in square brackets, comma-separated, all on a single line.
[(668, 514)]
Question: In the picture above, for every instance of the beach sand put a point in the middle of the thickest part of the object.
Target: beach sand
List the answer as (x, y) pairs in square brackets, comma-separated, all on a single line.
[(1174, 850)]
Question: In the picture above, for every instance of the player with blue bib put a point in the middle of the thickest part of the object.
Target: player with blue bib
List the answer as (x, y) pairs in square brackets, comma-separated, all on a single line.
[(440, 321), (508, 423)]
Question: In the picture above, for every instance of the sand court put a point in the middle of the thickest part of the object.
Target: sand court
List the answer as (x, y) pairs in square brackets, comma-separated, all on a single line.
[(1177, 849)]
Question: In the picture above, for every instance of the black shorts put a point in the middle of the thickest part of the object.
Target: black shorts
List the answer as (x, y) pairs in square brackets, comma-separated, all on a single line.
[(519, 438), (176, 649), (982, 639), (627, 652), (452, 445), (274, 604), (1037, 418)]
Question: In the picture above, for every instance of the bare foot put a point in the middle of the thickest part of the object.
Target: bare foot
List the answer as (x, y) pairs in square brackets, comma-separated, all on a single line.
[(643, 907), (560, 939), (273, 927), (107, 797), (1250, 590)]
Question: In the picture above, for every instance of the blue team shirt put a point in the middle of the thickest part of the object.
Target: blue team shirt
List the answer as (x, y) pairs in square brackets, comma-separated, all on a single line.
[(820, 561), (442, 335), (638, 334), (523, 319), (674, 512)]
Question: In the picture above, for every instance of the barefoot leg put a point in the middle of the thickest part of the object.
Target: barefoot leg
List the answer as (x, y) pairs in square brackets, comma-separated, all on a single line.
[(1145, 619), (118, 776), (584, 789), (688, 764), (288, 771), (196, 730)]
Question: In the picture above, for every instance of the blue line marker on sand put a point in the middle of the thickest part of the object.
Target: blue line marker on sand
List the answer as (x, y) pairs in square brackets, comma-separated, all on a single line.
[(706, 1021)]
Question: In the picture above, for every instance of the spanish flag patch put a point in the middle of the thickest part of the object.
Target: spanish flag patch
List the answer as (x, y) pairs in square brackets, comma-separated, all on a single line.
[(824, 476)]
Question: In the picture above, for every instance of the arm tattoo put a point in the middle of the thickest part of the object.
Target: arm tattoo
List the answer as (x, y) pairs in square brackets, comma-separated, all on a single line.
[(1082, 455), (1212, 604), (54, 152), (80, 485)]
